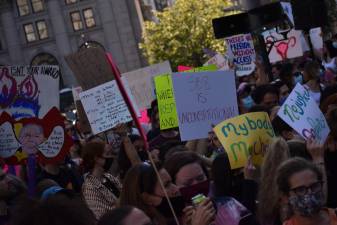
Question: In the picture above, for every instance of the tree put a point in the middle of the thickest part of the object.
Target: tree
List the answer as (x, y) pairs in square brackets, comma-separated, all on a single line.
[(331, 6), (182, 31)]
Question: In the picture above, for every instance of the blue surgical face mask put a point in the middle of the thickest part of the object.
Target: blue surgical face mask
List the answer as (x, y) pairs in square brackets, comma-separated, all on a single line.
[(334, 44), (248, 102)]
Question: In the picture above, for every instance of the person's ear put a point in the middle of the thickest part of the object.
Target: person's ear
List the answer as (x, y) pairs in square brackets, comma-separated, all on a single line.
[(151, 199)]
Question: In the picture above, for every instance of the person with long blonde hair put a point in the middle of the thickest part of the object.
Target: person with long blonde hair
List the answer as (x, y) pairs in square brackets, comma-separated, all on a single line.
[(269, 207)]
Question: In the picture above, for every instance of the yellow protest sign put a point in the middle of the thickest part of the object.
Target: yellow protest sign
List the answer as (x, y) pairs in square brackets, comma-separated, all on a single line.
[(210, 67), (166, 102), (244, 135)]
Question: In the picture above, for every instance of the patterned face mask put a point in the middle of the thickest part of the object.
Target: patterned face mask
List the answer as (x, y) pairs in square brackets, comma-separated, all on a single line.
[(308, 204)]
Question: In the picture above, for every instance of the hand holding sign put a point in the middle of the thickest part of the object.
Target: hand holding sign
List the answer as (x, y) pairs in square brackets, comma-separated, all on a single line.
[(245, 135), (302, 113)]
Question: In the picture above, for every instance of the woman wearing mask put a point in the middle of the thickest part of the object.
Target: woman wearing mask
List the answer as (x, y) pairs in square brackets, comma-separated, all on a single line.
[(142, 190), (301, 185), (190, 175), (100, 189)]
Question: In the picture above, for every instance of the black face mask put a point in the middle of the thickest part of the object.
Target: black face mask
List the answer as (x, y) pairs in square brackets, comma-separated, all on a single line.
[(107, 164), (178, 205)]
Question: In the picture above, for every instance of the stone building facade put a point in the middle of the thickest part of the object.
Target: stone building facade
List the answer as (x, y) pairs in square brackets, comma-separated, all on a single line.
[(34, 32)]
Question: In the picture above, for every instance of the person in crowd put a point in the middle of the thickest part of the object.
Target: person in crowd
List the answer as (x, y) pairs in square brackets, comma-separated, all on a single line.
[(141, 189), (57, 209), (282, 129), (100, 189), (245, 99), (125, 215), (301, 185), (227, 182), (62, 174), (270, 211), (276, 71), (266, 95), (124, 163), (47, 188), (331, 158), (311, 80), (286, 76), (190, 174), (11, 189), (76, 152)]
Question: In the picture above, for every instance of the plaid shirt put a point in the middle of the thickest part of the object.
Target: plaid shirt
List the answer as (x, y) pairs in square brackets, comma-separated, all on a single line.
[(97, 196)]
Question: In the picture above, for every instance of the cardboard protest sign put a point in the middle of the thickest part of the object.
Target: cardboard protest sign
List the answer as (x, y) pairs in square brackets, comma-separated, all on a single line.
[(29, 91), (245, 135), (166, 102), (280, 49), (44, 137), (203, 99), (302, 113), (84, 125), (141, 82), (241, 49), (105, 107), (221, 62), (316, 37), (90, 67)]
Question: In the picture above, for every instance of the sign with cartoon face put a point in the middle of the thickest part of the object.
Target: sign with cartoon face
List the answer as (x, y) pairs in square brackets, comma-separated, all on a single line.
[(46, 138), (29, 91)]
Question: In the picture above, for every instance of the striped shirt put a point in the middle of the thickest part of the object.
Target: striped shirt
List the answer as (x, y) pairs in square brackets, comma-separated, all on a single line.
[(97, 196)]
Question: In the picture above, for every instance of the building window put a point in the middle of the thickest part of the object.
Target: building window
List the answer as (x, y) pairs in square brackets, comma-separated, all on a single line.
[(89, 18), (42, 29), (29, 32), (37, 5), (23, 7), (71, 1), (76, 20)]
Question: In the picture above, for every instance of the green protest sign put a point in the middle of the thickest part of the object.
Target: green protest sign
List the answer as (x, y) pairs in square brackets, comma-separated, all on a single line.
[(166, 102)]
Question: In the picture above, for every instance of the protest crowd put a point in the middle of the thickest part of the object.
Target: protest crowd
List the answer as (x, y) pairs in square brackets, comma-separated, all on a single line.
[(115, 177)]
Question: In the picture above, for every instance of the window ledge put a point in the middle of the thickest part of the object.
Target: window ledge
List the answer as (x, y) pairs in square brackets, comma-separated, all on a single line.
[(38, 42)]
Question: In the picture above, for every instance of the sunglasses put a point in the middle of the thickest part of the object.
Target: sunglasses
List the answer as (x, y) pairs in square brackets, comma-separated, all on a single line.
[(302, 190)]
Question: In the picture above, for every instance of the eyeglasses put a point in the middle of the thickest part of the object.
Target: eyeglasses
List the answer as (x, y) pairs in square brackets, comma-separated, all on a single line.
[(302, 190)]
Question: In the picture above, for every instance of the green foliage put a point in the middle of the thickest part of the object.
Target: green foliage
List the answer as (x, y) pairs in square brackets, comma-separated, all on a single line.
[(182, 32)]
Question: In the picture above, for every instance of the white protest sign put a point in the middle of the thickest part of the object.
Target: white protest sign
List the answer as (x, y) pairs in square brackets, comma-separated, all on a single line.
[(141, 82), (220, 61), (241, 49), (29, 91), (105, 107), (280, 49), (203, 99), (302, 113), (316, 37)]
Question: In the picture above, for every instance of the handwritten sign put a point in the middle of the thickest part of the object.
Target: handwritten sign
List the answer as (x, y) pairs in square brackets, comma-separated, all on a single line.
[(221, 62), (44, 137), (280, 49), (241, 49), (141, 82), (105, 107), (203, 99), (302, 113), (166, 102), (90, 67), (245, 135), (29, 91)]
